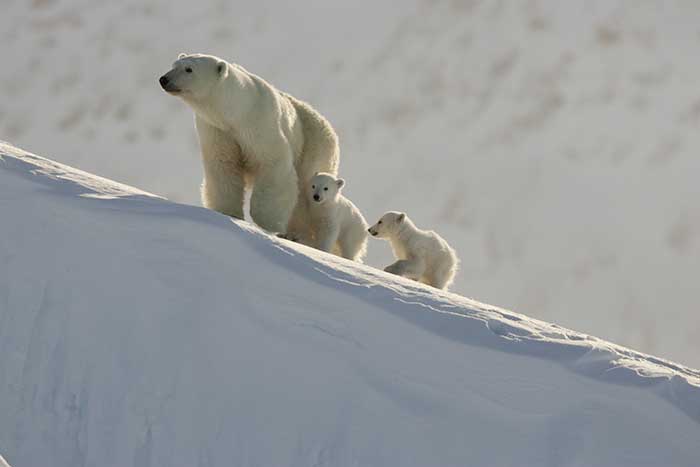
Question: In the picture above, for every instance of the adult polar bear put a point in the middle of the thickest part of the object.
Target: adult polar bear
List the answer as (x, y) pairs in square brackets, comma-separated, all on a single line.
[(253, 136)]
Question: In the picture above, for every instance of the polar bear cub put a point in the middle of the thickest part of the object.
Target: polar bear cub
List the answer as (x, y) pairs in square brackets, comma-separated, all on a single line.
[(336, 225), (421, 255)]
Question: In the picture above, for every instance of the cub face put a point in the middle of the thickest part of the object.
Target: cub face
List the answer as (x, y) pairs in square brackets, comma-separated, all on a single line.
[(194, 75), (387, 224), (324, 187)]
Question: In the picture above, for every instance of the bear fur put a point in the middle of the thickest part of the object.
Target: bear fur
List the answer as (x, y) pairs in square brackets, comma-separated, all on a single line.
[(422, 255), (253, 137), (336, 226)]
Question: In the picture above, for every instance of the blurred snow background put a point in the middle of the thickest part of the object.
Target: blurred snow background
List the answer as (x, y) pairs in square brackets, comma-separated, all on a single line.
[(554, 144)]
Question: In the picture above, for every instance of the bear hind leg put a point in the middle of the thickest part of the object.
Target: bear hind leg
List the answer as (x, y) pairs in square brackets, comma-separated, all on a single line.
[(443, 275)]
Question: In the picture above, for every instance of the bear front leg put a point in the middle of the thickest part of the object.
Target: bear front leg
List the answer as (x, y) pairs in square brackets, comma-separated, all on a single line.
[(411, 269), (353, 242), (327, 237), (223, 186), (224, 192), (273, 198), (299, 227)]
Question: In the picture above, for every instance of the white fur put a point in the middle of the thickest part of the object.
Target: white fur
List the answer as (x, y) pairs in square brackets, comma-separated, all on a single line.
[(336, 226), (253, 136), (421, 255)]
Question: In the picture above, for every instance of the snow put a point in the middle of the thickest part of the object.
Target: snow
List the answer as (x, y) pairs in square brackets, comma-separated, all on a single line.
[(553, 145), (135, 331)]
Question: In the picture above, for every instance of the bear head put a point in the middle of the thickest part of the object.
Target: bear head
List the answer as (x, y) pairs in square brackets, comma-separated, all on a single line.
[(388, 224), (194, 76), (325, 187)]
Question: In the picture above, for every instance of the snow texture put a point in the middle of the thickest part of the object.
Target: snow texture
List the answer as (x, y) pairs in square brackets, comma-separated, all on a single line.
[(135, 331), (553, 144)]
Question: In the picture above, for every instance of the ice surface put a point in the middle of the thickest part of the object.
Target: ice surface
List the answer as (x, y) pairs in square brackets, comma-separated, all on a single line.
[(135, 331), (554, 145)]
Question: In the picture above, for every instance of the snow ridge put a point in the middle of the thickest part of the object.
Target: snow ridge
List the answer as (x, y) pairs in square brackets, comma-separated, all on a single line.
[(202, 330)]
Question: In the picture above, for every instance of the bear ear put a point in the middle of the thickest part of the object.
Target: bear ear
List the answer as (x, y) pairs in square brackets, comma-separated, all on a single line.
[(182, 55), (401, 217), (222, 69), (340, 182)]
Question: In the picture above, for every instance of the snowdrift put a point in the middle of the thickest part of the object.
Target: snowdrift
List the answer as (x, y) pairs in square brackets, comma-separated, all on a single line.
[(583, 117), (139, 332)]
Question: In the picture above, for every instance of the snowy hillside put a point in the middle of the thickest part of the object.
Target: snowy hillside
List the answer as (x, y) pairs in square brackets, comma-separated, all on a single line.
[(554, 144), (139, 332)]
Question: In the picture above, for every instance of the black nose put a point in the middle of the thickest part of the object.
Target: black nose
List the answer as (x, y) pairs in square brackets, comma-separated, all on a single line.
[(316, 197), (163, 81)]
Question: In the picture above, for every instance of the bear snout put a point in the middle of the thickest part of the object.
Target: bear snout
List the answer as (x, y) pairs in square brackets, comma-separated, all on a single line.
[(168, 85), (317, 198)]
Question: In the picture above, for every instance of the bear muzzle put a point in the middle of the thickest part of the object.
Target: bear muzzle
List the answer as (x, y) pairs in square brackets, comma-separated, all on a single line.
[(167, 85)]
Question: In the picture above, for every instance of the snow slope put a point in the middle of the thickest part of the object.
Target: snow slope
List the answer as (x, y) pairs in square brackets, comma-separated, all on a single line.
[(553, 144), (135, 331)]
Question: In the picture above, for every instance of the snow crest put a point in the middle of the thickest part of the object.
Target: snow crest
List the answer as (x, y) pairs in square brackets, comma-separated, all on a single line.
[(135, 331)]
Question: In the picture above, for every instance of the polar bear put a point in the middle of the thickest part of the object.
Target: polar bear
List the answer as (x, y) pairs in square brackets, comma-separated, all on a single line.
[(422, 255), (253, 137), (336, 225)]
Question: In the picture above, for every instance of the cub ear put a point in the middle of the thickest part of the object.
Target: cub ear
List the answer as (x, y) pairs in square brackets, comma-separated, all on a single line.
[(340, 182), (222, 69), (182, 55), (401, 217)]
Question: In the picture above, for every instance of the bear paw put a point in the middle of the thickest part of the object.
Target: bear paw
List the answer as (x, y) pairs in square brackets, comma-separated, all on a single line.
[(392, 269), (288, 236)]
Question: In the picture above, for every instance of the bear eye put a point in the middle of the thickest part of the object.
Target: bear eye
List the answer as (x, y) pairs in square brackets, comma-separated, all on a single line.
[(313, 187), (188, 70), (379, 222), (325, 189)]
